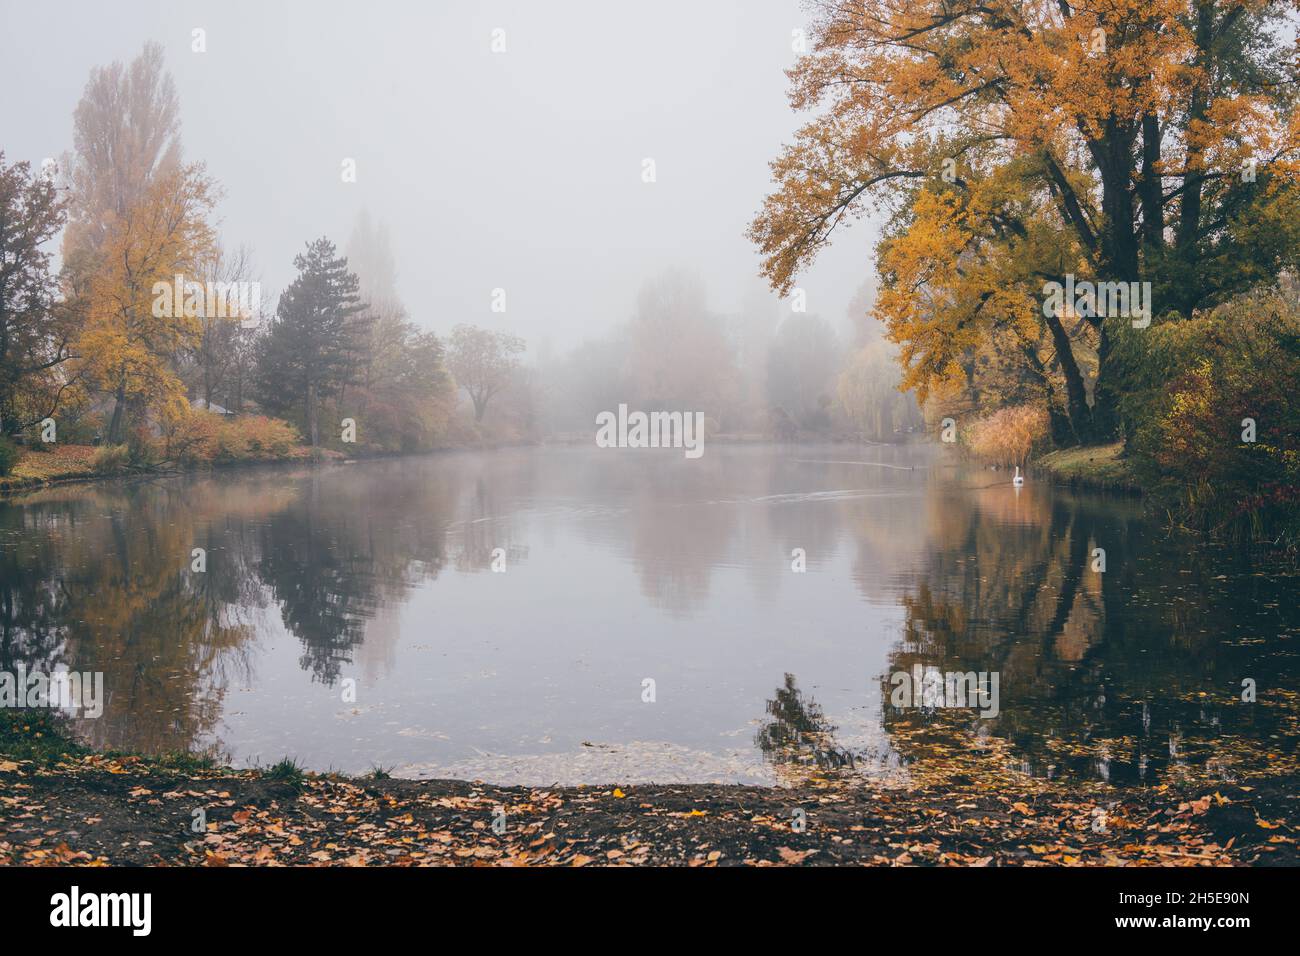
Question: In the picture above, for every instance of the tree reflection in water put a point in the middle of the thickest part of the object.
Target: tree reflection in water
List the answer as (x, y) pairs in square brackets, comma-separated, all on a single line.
[(1123, 675), (798, 733)]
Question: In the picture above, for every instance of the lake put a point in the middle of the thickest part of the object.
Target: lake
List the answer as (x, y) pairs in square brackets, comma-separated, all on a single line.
[(582, 615)]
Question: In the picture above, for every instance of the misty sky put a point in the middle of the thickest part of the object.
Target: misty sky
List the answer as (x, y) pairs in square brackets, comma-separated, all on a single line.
[(519, 170)]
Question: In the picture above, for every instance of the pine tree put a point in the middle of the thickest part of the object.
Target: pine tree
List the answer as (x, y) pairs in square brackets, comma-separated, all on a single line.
[(307, 353)]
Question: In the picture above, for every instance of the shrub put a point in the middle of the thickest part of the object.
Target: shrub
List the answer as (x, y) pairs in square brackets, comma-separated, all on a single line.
[(1240, 361), (110, 459), (9, 455), (1010, 435), (142, 448), (193, 437), (78, 426), (254, 437)]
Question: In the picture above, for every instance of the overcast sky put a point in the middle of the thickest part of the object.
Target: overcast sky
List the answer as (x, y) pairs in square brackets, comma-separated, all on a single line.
[(520, 170)]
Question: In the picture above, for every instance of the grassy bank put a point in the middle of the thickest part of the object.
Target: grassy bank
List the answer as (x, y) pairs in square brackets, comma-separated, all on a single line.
[(61, 463), (69, 463), (62, 805), (1099, 467)]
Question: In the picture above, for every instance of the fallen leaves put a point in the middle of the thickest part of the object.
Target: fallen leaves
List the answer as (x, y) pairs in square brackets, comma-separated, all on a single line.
[(793, 856), (101, 810)]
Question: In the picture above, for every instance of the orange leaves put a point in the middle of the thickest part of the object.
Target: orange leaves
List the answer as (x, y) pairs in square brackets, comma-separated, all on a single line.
[(1004, 138), (793, 857), (1009, 434), (127, 342)]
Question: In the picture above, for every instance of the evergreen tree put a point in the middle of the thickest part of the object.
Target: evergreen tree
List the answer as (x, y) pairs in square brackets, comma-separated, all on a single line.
[(306, 355)]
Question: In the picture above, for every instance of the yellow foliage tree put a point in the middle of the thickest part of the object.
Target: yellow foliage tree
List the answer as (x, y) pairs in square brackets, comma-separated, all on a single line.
[(1014, 143), (132, 338)]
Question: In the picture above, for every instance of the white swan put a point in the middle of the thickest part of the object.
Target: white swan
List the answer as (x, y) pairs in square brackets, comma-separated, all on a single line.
[(1018, 480)]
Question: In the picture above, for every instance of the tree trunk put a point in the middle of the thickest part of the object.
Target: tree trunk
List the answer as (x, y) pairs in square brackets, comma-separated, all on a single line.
[(1076, 395), (313, 432), (1104, 410), (1120, 247), (1153, 217), (1190, 208), (1189, 214), (117, 423)]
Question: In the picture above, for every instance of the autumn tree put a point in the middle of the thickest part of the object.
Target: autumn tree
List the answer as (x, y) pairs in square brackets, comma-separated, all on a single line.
[(132, 339), (1012, 144), (35, 331), (483, 363), (402, 384), (308, 352), (126, 132)]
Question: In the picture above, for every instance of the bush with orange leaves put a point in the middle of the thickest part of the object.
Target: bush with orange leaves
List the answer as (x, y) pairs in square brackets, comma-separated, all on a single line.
[(1009, 435), (257, 437), (196, 436), (190, 437)]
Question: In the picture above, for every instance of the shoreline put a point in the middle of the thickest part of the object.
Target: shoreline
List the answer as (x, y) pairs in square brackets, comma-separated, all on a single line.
[(11, 485), (61, 804), (1099, 468), (127, 811)]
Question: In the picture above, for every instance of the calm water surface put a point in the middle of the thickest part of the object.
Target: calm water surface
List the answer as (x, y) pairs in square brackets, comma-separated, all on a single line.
[(622, 566)]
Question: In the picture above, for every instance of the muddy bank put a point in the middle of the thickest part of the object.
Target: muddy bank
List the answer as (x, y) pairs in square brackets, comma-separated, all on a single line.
[(90, 809)]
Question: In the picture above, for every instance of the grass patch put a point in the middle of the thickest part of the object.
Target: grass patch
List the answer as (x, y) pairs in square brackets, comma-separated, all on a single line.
[(41, 737), (1102, 466), (184, 762), (286, 771), (35, 735), (50, 463)]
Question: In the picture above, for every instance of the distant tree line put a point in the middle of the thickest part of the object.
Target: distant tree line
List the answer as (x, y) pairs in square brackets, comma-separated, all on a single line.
[(104, 348)]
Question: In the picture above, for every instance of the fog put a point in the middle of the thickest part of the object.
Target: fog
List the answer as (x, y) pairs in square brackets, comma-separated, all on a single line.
[(519, 170)]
